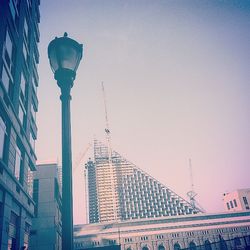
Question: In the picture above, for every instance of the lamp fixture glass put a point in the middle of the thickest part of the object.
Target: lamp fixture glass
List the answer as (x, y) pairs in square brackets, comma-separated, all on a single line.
[(64, 54)]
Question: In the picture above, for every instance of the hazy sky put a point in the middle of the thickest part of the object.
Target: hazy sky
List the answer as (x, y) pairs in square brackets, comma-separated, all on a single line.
[(176, 75)]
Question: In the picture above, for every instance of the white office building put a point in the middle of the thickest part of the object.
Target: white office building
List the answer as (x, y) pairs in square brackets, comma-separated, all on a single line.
[(238, 200)]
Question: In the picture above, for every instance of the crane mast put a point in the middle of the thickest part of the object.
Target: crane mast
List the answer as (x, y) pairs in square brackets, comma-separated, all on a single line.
[(111, 167), (107, 130)]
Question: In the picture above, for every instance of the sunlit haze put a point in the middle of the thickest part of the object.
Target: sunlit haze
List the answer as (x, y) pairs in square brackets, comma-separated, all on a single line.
[(176, 76)]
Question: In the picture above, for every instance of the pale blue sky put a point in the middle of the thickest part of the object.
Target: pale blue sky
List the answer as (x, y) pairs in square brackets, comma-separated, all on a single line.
[(176, 75)]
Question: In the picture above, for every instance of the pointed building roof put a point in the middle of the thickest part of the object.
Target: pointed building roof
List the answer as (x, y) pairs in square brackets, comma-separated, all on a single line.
[(119, 190)]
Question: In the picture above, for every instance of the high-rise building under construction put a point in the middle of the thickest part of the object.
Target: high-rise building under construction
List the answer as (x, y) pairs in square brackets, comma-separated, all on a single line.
[(119, 190)]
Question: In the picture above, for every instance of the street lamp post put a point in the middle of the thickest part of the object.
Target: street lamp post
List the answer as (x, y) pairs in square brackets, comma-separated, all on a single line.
[(64, 56)]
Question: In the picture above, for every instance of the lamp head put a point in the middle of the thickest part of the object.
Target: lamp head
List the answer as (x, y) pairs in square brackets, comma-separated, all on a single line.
[(64, 55)]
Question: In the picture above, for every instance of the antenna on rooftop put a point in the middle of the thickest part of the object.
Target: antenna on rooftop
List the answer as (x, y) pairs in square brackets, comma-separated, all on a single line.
[(192, 194)]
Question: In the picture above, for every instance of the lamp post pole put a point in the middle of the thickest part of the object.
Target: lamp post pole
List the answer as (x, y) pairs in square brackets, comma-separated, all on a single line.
[(67, 198), (65, 55)]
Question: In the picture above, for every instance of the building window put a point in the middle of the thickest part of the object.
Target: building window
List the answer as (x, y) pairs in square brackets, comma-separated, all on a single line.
[(128, 240), (2, 137), (12, 243), (235, 203), (231, 203), (36, 195), (34, 83), (13, 231), (161, 247), (25, 53), (18, 163), (8, 47), (222, 243), (8, 68), (192, 246), (208, 245), (32, 140), (33, 112), (237, 242), (21, 114), (245, 200), (177, 246), (5, 79), (23, 88), (27, 228), (228, 206), (35, 76), (30, 181), (26, 30)]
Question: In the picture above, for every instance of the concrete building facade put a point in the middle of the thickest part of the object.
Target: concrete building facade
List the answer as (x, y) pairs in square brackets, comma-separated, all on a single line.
[(238, 200), (119, 190), (46, 229), (227, 230), (19, 36)]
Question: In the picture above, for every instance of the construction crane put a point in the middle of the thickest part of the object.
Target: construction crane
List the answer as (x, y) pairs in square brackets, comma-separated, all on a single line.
[(192, 194), (79, 160), (108, 140), (107, 130), (78, 163)]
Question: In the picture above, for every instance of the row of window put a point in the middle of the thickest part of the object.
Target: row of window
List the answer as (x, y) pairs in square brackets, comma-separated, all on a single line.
[(190, 234), (18, 156), (7, 77), (207, 245), (233, 203), (126, 240)]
